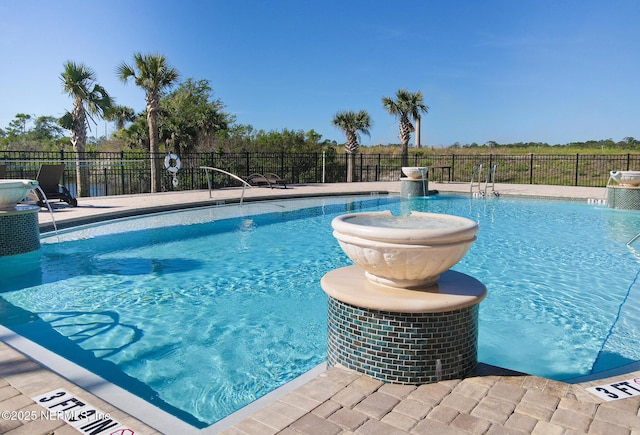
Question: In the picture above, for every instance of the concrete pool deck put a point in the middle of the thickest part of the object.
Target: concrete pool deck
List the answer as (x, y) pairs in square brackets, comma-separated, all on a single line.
[(337, 400)]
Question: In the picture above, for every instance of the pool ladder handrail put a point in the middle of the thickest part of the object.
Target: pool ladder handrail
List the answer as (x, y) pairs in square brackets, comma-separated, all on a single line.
[(244, 183), (491, 178), (476, 175), (633, 239)]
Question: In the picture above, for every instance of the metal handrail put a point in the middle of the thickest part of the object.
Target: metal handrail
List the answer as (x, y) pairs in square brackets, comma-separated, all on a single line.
[(244, 183), (633, 239), (491, 178), (477, 171)]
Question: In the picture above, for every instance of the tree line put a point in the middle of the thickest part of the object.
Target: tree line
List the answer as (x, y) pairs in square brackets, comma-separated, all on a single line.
[(184, 117)]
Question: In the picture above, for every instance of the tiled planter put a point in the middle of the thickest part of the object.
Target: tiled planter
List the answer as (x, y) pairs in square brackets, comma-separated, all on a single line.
[(420, 337), (19, 231), (623, 197)]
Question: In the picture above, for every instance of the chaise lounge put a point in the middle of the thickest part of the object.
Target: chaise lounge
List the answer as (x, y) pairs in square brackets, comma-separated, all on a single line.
[(49, 177), (267, 180)]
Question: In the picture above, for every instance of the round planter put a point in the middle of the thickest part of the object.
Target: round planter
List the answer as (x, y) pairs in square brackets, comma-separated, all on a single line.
[(404, 251), (13, 191), (626, 178), (415, 172)]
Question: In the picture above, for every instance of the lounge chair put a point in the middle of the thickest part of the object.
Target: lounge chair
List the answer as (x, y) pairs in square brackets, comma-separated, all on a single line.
[(267, 180), (49, 177)]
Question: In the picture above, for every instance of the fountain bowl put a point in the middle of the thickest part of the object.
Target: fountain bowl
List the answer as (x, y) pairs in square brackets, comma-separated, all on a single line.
[(407, 252), (626, 178), (14, 191), (415, 172)]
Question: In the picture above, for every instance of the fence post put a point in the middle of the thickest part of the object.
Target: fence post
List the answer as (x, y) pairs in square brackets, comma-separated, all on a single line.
[(62, 161), (361, 164), (106, 183), (628, 161), (577, 162), (122, 171), (453, 165), (379, 168), (531, 168), (213, 165), (346, 170)]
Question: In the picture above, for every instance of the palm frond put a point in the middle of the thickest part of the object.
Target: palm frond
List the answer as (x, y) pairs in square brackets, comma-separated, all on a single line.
[(66, 121)]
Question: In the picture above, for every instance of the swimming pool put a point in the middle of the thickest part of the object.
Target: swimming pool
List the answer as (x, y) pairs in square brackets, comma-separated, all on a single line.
[(203, 311)]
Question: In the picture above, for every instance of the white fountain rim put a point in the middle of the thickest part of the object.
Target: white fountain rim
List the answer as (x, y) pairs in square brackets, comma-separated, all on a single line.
[(450, 229)]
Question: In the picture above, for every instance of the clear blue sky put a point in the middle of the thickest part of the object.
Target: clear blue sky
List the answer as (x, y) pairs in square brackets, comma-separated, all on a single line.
[(505, 70)]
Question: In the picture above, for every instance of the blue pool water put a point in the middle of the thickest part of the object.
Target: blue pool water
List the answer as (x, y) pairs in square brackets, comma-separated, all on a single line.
[(201, 312)]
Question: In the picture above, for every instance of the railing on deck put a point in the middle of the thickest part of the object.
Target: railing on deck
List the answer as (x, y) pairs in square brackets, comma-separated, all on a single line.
[(208, 168), (122, 173)]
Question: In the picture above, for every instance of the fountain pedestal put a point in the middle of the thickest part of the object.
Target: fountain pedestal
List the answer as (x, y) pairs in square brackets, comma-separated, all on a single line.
[(403, 336), (19, 231), (623, 197), (400, 315), (414, 187)]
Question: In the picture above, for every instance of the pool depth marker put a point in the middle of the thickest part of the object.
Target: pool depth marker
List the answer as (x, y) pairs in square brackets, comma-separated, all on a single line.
[(62, 405)]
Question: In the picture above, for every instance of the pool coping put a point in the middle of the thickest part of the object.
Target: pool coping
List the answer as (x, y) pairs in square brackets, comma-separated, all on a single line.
[(130, 403)]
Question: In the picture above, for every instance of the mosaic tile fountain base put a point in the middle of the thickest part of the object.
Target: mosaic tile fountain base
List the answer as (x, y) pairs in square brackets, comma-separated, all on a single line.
[(19, 231), (403, 348), (626, 198), (410, 188)]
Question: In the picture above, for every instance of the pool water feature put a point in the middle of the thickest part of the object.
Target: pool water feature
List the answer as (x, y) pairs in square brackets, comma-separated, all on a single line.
[(203, 311), (19, 232)]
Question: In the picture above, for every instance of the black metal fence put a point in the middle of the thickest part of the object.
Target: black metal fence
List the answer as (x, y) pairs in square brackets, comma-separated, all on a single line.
[(123, 173)]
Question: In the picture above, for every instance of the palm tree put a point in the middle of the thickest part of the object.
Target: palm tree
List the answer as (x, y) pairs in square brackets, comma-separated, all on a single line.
[(406, 106), (120, 115), (352, 123), (153, 74), (89, 98)]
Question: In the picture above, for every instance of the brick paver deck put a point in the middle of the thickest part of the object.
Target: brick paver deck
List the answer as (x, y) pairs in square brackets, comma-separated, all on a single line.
[(494, 401)]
